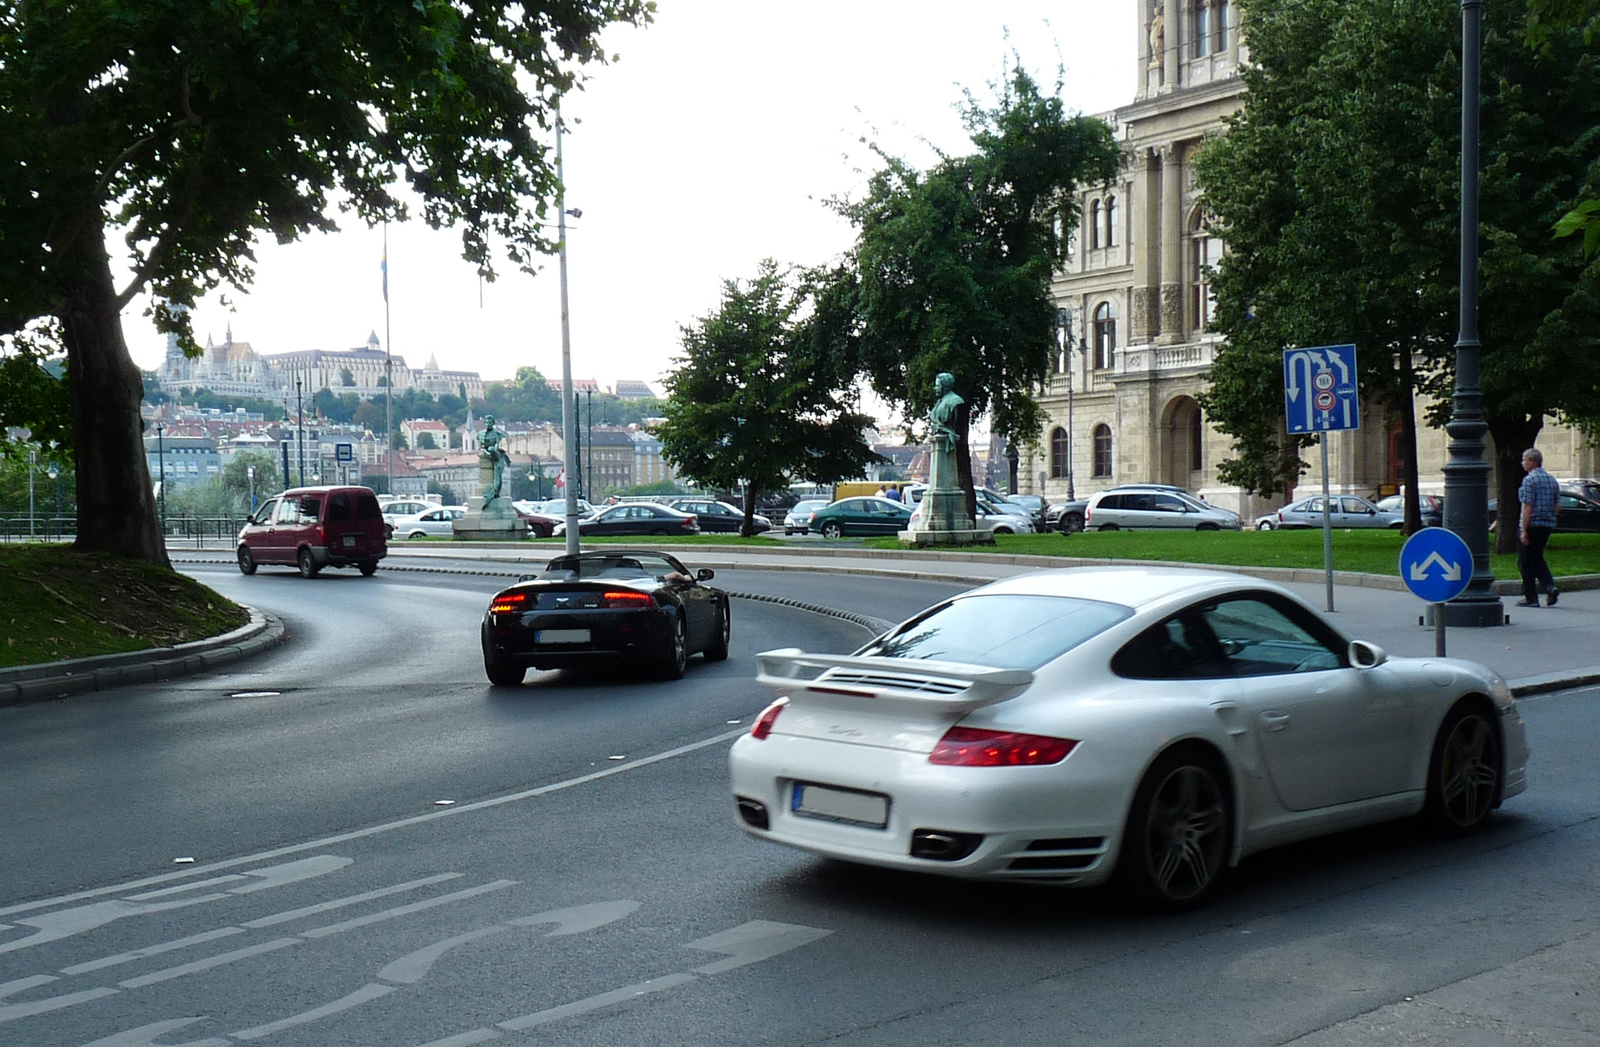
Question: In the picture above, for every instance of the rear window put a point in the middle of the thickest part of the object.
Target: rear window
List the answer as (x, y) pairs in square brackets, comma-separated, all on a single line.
[(1000, 631), (367, 508), (339, 507)]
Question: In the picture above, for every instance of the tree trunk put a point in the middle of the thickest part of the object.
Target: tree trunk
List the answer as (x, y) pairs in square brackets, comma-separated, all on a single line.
[(116, 505), (1512, 436)]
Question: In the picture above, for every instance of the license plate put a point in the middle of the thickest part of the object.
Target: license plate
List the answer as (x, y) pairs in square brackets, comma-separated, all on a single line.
[(349, 539), (561, 636), (840, 805)]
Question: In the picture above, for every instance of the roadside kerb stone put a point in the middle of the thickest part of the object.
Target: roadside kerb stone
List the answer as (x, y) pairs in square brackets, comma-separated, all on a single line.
[(23, 684)]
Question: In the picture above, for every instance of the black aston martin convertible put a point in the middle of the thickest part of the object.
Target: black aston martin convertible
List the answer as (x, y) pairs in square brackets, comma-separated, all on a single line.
[(620, 607)]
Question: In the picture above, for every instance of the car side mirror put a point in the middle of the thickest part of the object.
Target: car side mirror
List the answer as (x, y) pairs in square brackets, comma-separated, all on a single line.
[(1364, 655), (704, 574)]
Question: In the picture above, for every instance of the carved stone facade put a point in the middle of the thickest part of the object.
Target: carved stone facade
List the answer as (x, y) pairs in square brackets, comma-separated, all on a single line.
[(1130, 382)]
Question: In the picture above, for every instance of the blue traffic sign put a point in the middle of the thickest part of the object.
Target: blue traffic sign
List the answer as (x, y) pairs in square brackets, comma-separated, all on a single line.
[(1320, 390), (1436, 564)]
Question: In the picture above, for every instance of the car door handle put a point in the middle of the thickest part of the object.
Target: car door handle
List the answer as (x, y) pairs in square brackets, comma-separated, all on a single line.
[(1275, 721)]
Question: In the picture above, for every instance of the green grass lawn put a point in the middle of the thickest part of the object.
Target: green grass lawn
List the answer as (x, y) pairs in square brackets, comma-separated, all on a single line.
[(1367, 552)]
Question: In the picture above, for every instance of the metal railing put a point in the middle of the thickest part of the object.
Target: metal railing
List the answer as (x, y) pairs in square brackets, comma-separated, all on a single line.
[(198, 529)]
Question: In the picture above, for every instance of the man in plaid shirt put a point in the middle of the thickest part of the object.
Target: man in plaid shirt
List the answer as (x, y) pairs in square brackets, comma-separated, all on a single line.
[(1538, 495)]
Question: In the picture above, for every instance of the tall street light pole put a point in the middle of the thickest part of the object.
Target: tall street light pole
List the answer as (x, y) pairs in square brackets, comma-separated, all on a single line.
[(300, 433), (569, 407), (1064, 334), (1466, 473), (161, 464), (589, 472), (33, 462)]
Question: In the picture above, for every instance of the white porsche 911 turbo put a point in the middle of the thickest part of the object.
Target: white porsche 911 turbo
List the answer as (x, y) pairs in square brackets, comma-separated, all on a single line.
[(1147, 726)]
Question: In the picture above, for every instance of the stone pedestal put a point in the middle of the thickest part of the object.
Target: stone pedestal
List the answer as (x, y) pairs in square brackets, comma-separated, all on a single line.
[(497, 523), (945, 522)]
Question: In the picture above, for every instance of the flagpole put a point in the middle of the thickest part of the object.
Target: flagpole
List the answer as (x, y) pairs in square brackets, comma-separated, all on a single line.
[(388, 369)]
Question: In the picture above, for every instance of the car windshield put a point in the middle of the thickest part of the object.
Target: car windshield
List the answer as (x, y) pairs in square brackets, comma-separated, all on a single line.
[(633, 565), (1002, 631)]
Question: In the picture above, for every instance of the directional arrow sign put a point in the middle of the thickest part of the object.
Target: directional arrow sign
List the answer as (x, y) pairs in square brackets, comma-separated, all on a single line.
[(1436, 564), (1320, 392)]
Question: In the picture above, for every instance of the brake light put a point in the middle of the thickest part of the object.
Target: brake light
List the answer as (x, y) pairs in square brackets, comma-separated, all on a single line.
[(973, 747), (508, 603), (624, 598), (768, 717), (691, 521)]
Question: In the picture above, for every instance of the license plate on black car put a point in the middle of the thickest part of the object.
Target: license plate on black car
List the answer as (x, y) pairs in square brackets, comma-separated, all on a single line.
[(850, 806)]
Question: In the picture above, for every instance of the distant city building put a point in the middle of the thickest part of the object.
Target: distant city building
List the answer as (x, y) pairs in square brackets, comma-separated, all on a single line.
[(628, 389), (648, 465), (413, 428), (182, 458)]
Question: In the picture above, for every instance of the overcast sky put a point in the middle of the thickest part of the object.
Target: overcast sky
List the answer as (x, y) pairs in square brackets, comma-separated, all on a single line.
[(712, 144)]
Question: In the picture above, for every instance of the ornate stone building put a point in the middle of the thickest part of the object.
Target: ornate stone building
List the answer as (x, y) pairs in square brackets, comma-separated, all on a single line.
[(1122, 399)]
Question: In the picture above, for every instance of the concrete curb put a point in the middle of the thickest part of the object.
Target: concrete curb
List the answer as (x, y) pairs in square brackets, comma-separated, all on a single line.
[(24, 684)]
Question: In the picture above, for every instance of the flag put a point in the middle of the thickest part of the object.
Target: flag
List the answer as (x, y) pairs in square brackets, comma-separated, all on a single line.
[(561, 479), (384, 265)]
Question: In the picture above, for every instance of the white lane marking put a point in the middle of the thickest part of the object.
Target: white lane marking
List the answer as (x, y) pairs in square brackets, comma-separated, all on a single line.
[(375, 830), (146, 1035), (578, 918), (168, 892), (67, 922), (265, 921), (753, 942), (405, 910), (169, 973), (292, 872), (13, 1011), (465, 1039), (365, 994), (152, 950), (414, 966), (349, 900), (21, 984), (594, 1003)]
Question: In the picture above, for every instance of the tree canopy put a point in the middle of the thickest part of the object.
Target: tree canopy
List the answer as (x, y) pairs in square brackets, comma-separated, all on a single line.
[(754, 402), (1337, 190), (951, 267), (185, 128)]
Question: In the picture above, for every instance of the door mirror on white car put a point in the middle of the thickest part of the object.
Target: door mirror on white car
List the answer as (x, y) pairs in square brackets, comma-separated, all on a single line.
[(1364, 655)]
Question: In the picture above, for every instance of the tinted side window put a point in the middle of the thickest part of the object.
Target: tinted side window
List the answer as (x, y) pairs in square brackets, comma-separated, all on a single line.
[(1180, 648), (1165, 504), (1260, 639), (367, 508), (1111, 501), (339, 508)]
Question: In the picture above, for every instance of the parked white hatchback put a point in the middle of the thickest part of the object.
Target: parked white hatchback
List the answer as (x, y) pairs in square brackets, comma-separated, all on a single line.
[(438, 522)]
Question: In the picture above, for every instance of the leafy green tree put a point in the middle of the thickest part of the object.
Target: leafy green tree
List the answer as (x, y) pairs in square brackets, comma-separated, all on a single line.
[(951, 268), (183, 129), (235, 477), (1337, 191), (426, 442), (752, 402), (1548, 20)]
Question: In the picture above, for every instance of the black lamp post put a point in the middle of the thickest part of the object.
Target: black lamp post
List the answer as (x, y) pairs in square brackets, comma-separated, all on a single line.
[(300, 433), (54, 472), (1064, 334), (161, 464), (589, 395), (1466, 473)]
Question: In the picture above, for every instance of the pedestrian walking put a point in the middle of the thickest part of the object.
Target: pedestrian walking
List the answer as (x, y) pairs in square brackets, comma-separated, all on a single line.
[(893, 494), (1538, 495)]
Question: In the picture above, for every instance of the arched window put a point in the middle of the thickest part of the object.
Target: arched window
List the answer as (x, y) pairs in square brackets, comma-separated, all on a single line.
[(1102, 450), (1204, 252), (1111, 221), (1058, 454), (1202, 28), (1094, 226), (1197, 438), (1105, 334)]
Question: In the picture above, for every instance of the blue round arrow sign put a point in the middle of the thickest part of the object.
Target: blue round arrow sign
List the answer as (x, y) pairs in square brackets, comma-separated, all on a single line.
[(1436, 564)]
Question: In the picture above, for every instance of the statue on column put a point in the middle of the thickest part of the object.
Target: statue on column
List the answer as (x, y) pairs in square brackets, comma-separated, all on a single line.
[(943, 473), (493, 457), (1158, 38)]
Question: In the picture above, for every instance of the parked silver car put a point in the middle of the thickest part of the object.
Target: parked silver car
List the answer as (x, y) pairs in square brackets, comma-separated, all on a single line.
[(798, 519), (1345, 510), (1154, 508), (438, 522)]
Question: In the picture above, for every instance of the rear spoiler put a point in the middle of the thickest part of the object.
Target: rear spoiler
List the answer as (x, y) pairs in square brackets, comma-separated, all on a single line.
[(950, 686)]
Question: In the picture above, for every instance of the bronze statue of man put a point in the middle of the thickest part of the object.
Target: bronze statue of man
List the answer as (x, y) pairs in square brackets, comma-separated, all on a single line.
[(943, 474), (495, 455)]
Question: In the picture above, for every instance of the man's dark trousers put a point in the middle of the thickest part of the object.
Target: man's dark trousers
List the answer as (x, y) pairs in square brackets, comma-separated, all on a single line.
[(1530, 561)]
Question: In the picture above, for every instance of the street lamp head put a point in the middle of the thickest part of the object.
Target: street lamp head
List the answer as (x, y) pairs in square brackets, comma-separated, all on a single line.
[(52, 471), (576, 212), (1064, 318)]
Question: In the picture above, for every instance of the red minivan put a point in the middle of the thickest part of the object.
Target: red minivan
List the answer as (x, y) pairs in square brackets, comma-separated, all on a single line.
[(315, 527)]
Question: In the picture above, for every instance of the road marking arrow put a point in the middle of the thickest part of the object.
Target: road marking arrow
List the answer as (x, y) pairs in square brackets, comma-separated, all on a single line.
[(1419, 571)]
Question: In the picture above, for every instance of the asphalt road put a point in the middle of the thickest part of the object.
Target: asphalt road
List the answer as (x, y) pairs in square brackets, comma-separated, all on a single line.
[(586, 884)]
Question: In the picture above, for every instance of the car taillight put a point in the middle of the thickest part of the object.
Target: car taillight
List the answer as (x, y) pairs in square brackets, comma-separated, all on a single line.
[(768, 717), (625, 598), (508, 603), (691, 521), (973, 747)]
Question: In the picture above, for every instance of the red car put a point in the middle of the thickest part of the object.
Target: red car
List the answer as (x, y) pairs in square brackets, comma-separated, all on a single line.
[(316, 527)]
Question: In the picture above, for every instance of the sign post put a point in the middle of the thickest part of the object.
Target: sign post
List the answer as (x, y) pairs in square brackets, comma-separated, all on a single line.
[(1436, 565), (1321, 394)]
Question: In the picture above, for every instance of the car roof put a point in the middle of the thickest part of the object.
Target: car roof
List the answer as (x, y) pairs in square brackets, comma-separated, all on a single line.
[(1131, 586)]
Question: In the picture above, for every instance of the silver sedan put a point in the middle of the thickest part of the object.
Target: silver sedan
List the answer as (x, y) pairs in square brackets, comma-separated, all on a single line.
[(1146, 726), (1344, 510)]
